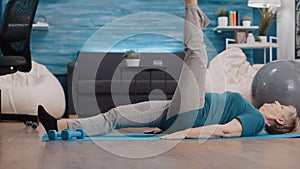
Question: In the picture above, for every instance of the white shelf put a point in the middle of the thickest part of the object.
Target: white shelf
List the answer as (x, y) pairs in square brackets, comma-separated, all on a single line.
[(255, 45), (40, 26), (233, 28), (230, 43)]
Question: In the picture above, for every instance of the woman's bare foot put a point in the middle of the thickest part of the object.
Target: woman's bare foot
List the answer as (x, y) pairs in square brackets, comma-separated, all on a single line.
[(191, 2)]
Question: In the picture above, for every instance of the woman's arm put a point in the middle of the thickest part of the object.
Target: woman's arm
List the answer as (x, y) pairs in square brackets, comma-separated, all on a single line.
[(230, 129)]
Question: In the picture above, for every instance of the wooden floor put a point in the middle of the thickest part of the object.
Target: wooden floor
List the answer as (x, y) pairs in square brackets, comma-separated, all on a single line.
[(21, 148)]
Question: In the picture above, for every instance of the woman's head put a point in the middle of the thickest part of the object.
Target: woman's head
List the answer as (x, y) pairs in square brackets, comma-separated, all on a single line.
[(280, 118)]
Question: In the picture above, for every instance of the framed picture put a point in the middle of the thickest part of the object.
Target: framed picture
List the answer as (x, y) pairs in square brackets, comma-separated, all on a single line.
[(297, 29), (240, 36)]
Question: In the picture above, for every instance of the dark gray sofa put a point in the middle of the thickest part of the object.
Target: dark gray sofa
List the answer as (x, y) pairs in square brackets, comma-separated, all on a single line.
[(98, 82)]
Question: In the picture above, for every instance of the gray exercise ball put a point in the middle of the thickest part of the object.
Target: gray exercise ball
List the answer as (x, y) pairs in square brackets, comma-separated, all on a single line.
[(278, 80)]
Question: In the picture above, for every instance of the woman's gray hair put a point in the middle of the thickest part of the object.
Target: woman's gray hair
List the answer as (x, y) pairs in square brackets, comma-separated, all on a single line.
[(291, 125)]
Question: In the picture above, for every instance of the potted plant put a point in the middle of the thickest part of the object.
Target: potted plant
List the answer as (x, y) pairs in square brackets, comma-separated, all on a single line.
[(246, 21), (132, 58), (222, 17), (267, 18), (257, 39)]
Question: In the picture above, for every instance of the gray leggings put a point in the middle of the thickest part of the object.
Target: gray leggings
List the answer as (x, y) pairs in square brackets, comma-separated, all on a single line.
[(189, 95)]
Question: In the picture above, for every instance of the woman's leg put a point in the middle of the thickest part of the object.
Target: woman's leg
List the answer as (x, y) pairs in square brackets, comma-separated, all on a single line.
[(190, 95), (144, 114)]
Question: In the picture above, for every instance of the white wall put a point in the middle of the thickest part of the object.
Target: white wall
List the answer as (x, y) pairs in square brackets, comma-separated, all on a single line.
[(286, 30)]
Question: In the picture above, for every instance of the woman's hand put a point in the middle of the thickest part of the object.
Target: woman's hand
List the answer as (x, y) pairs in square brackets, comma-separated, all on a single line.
[(177, 135), (153, 131)]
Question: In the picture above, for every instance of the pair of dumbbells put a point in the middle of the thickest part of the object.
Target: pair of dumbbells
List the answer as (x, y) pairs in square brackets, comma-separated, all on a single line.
[(66, 134)]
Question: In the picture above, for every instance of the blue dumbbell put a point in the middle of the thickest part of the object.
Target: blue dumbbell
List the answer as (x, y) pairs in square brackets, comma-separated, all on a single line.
[(68, 134), (53, 134)]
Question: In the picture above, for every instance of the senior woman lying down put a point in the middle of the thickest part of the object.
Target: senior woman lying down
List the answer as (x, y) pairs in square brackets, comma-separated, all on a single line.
[(191, 113)]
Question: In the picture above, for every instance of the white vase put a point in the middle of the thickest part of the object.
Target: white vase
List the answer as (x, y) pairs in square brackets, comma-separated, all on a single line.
[(246, 23), (133, 62), (263, 39), (223, 21), (157, 63), (250, 38)]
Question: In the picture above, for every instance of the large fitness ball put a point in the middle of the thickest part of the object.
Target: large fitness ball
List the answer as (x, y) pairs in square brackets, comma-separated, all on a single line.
[(278, 80)]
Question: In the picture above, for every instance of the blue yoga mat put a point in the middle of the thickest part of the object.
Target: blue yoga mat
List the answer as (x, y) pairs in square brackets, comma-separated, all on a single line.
[(141, 137)]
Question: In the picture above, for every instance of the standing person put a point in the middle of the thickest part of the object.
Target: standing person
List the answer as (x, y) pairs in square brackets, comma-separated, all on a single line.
[(191, 112)]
